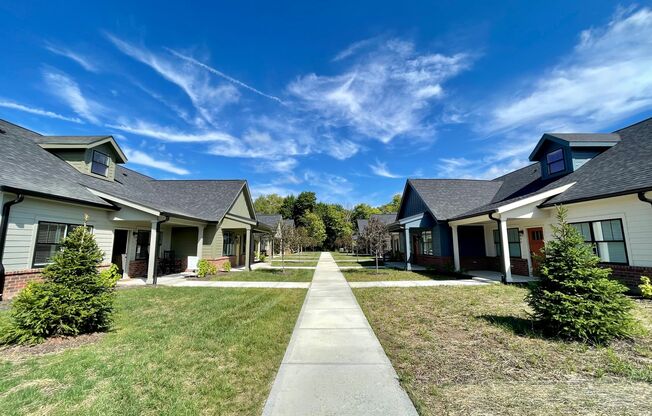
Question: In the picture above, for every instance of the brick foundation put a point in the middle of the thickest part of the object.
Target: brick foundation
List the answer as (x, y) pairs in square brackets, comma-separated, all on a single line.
[(219, 262), (17, 280), (629, 275), (444, 263), (519, 266), (480, 263)]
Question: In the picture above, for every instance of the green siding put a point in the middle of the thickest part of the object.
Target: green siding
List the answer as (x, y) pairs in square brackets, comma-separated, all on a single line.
[(240, 207)]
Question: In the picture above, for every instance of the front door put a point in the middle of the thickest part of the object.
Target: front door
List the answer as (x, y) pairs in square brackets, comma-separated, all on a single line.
[(535, 238), (119, 247)]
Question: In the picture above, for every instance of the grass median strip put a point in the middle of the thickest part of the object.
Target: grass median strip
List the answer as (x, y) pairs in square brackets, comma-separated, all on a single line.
[(307, 263), (172, 351), (463, 351), (370, 275), (264, 275)]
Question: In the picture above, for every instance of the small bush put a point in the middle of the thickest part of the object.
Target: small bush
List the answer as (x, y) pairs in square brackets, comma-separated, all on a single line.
[(262, 258), (205, 268), (576, 299), (111, 274), (226, 266), (74, 297), (646, 287)]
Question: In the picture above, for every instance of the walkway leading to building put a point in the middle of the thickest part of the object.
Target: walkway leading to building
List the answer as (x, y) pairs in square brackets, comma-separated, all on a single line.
[(334, 364)]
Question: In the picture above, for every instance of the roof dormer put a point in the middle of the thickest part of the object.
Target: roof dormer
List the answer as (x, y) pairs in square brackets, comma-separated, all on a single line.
[(562, 153), (95, 156)]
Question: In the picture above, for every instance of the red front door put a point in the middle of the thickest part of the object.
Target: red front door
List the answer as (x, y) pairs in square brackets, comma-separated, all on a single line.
[(535, 237)]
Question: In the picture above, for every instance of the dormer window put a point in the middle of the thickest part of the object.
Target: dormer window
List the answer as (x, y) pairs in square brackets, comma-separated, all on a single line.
[(100, 164), (555, 161)]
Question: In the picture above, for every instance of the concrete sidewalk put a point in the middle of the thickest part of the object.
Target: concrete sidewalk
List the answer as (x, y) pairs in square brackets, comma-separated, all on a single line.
[(334, 364)]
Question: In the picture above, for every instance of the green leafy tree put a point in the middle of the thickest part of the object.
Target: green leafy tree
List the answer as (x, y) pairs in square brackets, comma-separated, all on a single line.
[(287, 206), (335, 222), (74, 297), (315, 229), (306, 202), (391, 207), (575, 298), (363, 212), (268, 204)]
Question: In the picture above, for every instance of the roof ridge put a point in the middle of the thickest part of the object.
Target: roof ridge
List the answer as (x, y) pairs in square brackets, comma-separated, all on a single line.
[(200, 180), (450, 179), (632, 125), (20, 127)]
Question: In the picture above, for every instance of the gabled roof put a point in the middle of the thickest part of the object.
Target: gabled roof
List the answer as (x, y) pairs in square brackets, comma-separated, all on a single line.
[(385, 218), (362, 224), (76, 142), (28, 167), (270, 220), (576, 140), (447, 198)]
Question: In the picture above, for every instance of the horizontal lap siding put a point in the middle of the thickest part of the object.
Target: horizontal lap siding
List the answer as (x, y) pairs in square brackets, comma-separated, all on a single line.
[(23, 220)]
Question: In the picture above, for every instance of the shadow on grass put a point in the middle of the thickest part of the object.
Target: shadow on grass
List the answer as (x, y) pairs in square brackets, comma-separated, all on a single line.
[(517, 325)]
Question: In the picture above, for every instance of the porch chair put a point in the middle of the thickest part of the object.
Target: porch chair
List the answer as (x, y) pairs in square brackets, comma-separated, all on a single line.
[(191, 269)]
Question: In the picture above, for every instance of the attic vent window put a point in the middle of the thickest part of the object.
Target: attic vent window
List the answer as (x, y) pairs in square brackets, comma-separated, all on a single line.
[(555, 161), (100, 165)]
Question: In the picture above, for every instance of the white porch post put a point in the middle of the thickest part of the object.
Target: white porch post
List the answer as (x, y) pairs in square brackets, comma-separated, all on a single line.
[(151, 266), (408, 264), (456, 248), (504, 242), (200, 240), (248, 249)]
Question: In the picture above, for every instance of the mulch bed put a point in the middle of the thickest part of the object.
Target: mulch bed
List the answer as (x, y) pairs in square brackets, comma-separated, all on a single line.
[(50, 346)]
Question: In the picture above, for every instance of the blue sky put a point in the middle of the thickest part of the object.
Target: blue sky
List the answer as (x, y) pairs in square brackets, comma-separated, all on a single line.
[(343, 98)]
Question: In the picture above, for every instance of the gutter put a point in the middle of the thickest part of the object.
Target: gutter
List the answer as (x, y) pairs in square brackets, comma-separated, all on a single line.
[(6, 209), (503, 278), (158, 237), (642, 198)]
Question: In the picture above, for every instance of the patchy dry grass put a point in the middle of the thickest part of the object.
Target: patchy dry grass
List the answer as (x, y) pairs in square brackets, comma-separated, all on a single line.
[(370, 275), (265, 275), (181, 351), (472, 351)]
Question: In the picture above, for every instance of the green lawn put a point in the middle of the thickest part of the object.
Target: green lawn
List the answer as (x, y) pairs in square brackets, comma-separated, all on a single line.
[(361, 263), (370, 275), (262, 275), (306, 255), (176, 351), (307, 263), (461, 351), (348, 256)]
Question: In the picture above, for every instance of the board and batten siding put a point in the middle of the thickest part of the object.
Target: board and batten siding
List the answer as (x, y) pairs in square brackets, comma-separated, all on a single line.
[(23, 227)]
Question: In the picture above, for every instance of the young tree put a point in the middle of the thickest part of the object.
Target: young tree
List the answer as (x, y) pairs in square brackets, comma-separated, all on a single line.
[(376, 235), (575, 298), (74, 297)]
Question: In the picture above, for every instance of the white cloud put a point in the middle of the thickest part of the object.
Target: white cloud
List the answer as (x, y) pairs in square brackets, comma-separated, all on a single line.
[(37, 111), (464, 168), (222, 74), (207, 98), (331, 184), (144, 128), (386, 92), (380, 169), (67, 89), (144, 159), (607, 77), (78, 58)]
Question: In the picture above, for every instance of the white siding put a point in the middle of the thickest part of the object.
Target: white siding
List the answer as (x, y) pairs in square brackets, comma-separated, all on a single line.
[(23, 224)]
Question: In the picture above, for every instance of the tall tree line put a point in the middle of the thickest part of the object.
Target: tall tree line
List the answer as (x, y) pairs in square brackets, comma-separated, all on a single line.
[(329, 226)]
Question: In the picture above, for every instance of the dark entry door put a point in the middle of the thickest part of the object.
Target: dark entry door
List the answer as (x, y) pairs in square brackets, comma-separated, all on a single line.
[(535, 238), (119, 247)]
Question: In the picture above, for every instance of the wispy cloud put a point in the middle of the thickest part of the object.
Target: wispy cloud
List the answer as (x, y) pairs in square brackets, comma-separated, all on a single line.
[(147, 129), (207, 97), (67, 90), (80, 59), (140, 158), (385, 92), (331, 184), (380, 169), (221, 74), (37, 111)]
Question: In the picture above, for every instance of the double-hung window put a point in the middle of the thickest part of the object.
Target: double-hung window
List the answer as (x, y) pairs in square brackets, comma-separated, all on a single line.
[(100, 163), (48, 240), (229, 244), (142, 244), (426, 243), (607, 239), (513, 239), (555, 161)]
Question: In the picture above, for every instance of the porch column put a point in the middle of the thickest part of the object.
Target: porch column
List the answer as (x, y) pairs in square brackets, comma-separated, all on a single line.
[(258, 245), (151, 259), (456, 248), (200, 240), (248, 249), (504, 243), (525, 245), (408, 264)]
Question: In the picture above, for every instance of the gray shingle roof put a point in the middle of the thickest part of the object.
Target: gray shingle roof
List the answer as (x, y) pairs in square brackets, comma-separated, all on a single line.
[(586, 137), (25, 165), (447, 198), (83, 140), (362, 224), (270, 220), (385, 218)]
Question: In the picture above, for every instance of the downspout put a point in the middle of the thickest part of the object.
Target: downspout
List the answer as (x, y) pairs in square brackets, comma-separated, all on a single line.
[(641, 197), (6, 209), (503, 278), (158, 237)]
